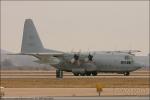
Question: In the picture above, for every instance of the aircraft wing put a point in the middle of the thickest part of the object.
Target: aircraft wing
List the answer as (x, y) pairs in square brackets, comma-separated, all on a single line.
[(41, 54), (49, 58)]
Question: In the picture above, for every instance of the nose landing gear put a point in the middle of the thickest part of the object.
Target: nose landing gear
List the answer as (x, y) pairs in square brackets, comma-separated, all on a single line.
[(76, 74), (126, 73), (94, 73)]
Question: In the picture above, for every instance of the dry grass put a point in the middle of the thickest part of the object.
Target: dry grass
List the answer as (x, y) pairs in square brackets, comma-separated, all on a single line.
[(75, 82)]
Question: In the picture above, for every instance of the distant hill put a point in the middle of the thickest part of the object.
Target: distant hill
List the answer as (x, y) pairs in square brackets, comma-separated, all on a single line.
[(20, 62)]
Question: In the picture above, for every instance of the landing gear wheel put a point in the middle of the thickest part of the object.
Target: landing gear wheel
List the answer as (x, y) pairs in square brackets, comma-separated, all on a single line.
[(94, 73), (76, 74), (82, 74), (59, 73), (88, 74), (126, 73)]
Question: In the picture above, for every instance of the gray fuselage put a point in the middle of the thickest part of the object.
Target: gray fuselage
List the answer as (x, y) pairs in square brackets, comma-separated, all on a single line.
[(102, 62)]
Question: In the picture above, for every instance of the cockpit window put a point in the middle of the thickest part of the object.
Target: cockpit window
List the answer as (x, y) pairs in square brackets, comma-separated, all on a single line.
[(126, 62)]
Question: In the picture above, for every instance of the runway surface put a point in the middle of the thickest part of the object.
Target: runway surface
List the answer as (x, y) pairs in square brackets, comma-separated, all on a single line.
[(29, 83), (51, 74), (101, 98), (77, 98), (43, 92), (47, 79)]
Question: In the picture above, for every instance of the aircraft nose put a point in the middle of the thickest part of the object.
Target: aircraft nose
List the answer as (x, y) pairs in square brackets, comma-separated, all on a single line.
[(139, 65)]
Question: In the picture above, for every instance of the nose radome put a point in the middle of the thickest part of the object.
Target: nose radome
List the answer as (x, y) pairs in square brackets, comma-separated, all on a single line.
[(139, 65)]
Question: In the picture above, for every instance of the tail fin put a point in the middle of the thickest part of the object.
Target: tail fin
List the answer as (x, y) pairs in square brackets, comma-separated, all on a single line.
[(31, 42)]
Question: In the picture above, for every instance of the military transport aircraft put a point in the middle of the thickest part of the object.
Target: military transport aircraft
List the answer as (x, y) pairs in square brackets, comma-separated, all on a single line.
[(83, 64)]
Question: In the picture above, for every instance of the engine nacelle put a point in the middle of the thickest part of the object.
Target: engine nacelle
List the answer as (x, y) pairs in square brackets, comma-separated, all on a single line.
[(72, 60), (78, 70)]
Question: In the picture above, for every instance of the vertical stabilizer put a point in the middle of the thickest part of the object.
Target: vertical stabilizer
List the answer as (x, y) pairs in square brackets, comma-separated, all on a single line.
[(31, 42)]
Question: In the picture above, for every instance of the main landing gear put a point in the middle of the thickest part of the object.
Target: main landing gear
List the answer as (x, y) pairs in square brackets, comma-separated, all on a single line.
[(86, 74), (76, 74), (59, 73)]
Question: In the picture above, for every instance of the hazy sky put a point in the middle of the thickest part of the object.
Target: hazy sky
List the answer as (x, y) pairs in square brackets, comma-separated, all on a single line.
[(67, 25)]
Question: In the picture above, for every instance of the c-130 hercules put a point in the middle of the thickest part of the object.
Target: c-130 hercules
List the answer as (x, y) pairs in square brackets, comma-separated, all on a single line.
[(83, 64)]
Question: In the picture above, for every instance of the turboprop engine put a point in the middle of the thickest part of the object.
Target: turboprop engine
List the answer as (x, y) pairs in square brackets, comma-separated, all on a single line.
[(75, 58)]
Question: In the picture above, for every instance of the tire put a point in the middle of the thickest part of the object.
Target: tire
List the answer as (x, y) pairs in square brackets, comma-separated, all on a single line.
[(82, 74), (126, 73), (88, 74), (94, 73), (76, 74)]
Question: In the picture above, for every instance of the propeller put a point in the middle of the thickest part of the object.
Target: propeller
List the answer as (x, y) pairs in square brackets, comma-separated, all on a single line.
[(90, 57), (76, 56)]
